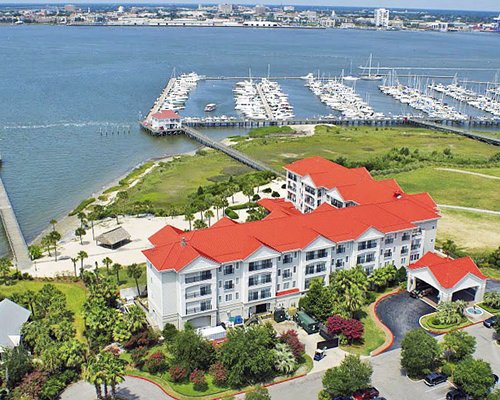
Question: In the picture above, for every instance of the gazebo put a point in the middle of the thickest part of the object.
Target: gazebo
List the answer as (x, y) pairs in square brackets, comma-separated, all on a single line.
[(114, 238)]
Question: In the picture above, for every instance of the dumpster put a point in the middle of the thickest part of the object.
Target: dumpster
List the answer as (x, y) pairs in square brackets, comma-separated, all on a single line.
[(306, 322)]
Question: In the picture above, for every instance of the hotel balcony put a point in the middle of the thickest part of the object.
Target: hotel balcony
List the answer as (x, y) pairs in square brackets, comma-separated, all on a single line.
[(201, 308)]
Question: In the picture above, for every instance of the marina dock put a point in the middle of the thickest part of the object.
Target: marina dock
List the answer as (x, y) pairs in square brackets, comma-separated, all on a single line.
[(262, 96), (13, 231), (160, 100)]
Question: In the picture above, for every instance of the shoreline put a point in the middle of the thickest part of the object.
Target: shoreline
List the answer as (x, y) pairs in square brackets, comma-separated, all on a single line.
[(66, 224)]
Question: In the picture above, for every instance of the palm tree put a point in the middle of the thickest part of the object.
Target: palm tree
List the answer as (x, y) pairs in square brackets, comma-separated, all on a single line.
[(47, 243), (189, 217), (107, 262), (81, 216), (91, 218), (199, 224), (135, 271), (116, 270), (114, 370), (218, 204), (5, 266), (82, 255), (80, 232), (209, 214), (53, 222), (284, 358), (55, 237), (29, 298), (248, 191), (136, 319), (94, 375), (74, 260), (35, 251)]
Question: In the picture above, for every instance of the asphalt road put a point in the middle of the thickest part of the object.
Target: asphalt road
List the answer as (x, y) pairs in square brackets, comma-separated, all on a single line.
[(401, 313), (130, 389), (492, 286)]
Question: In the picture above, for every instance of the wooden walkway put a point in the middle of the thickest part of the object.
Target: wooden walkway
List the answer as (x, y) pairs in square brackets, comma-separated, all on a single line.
[(453, 129), (237, 155), (13, 230)]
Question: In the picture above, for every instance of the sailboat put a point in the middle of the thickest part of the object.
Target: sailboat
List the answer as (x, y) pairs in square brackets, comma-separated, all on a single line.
[(371, 77), (350, 77)]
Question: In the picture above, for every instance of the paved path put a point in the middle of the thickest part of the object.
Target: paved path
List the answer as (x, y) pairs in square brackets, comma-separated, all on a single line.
[(306, 388), (130, 389), (401, 313), (478, 210), (461, 171)]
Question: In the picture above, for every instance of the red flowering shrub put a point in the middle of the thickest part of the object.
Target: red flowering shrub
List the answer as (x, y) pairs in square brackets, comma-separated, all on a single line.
[(352, 329), (156, 363), (138, 356), (291, 338), (219, 373), (197, 378), (177, 373), (31, 386)]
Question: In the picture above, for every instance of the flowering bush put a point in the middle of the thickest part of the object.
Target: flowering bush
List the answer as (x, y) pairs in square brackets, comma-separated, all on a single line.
[(156, 363), (177, 373), (335, 324), (197, 378), (291, 338), (352, 329), (138, 356), (219, 373)]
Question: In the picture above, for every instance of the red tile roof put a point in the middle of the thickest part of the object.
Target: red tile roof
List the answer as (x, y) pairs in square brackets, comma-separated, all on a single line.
[(166, 114), (287, 292), (448, 271)]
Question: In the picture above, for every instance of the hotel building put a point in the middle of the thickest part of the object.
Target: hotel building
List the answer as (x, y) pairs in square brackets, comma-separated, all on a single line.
[(333, 218)]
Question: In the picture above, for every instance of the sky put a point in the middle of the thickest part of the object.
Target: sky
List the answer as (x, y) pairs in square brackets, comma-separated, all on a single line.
[(479, 5)]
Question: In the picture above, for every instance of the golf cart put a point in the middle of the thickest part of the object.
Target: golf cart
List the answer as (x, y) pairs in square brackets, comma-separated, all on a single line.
[(319, 354)]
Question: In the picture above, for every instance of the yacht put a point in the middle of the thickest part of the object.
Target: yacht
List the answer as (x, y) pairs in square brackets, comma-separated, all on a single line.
[(210, 107), (370, 76)]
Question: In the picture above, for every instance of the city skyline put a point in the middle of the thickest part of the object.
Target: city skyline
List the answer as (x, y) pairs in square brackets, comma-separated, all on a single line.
[(455, 5)]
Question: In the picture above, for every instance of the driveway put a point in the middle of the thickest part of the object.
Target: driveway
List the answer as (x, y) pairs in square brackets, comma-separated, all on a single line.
[(130, 389), (401, 313), (492, 286)]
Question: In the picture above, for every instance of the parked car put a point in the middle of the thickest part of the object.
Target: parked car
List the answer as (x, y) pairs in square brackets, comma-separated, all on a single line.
[(488, 323), (342, 398), (421, 292), (379, 398), (456, 394), (365, 394), (319, 355), (435, 378)]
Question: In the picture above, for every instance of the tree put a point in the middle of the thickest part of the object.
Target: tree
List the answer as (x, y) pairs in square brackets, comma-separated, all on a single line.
[(291, 338), (29, 298), (114, 370), (82, 217), (189, 217), (261, 393), (199, 224), (94, 375), (419, 353), (457, 345), (209, 214), (451, 249), (53, 222), (169, 332), (74, 260), (191, 351), (247, 355), (284, 360), (318, 300), (17, 363), (5, 266), (349, 288), (475, 377), (450, 313), (107, 262), (134, 271), (80, 232), (35, 252), (248, 191), (352, 329), (47, 244), (494, 395), (115, 268), (492, 299), (82, 255), (351, 375), (54, 238), (135, 319)]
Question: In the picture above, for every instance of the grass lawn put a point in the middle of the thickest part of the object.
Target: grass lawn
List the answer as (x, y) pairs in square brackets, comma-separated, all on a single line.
[(453, 188), (475, 232), (493, 273), (427, 321), (373, 337), (125, 280), (170, 183), (75, 296), (360, 143)]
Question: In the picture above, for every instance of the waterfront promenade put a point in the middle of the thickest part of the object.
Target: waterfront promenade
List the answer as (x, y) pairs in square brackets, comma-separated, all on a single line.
[(13, 231)]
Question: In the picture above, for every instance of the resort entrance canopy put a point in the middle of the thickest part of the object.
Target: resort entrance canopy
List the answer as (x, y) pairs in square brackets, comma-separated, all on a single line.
[(114, 238), (453, 279)]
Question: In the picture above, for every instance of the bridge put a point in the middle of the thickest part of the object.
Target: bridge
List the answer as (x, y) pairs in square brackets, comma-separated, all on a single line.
[(13, 231)]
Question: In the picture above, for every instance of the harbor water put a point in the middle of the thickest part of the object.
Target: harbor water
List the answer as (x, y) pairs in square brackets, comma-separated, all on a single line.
[(61, 86)]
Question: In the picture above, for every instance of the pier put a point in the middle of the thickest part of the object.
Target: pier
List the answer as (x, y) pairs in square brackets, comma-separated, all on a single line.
[(237, 155), (160, 100), (13, 231), (263, 98)]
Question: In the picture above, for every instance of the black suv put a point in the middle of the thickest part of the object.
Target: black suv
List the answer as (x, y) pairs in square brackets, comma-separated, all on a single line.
[(456, 394), (435, 379)]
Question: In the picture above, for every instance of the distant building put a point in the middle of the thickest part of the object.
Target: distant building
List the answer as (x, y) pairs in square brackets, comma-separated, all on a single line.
[(121, 9), (381, 17), (435, 26), (497, 21), (225, 8), (289, 9), (165, 119), (69, 8), (260, 10)]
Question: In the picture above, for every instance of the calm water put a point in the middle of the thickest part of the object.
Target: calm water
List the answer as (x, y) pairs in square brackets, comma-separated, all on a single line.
[(60, 85)]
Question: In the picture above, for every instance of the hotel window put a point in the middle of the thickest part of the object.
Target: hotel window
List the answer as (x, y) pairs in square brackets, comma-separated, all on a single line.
[(228, 285), (294, 284), (403, 261), (237, 295), (287, 258), (312, 255), (340, 248), (309, 269), (286, 285), (228, 269), (294, 269), (287, 273), (229, 297), (278, 287)]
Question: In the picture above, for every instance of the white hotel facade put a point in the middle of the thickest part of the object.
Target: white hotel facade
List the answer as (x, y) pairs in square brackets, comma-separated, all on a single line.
[(333, 218)]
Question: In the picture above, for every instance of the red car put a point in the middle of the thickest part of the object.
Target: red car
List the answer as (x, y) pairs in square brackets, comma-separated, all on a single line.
[(365, 394)]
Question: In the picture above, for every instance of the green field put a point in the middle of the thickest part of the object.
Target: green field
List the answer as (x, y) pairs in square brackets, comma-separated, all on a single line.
[(453, 188), (361, 143), (75, 296), (170, 183), (125, 280)]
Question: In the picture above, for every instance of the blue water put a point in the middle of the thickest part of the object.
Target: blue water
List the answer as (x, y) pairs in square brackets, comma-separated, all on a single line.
[(60, 85)]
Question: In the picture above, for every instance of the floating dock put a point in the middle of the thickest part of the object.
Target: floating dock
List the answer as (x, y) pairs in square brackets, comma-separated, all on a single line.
[(13, 231)]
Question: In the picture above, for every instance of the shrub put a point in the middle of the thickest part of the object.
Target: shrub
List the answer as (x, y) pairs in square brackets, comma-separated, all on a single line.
[(169, 331), (146, 338), (231, 213), (492, 299), (219, 373), (177, 373), (255, 197), (56, 384), (156, 363), (420, 353), (197, 378), (351, 329), (275, 194), (267, 190), (448, 369), (291, 338), (138, 356), (261, 393)]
